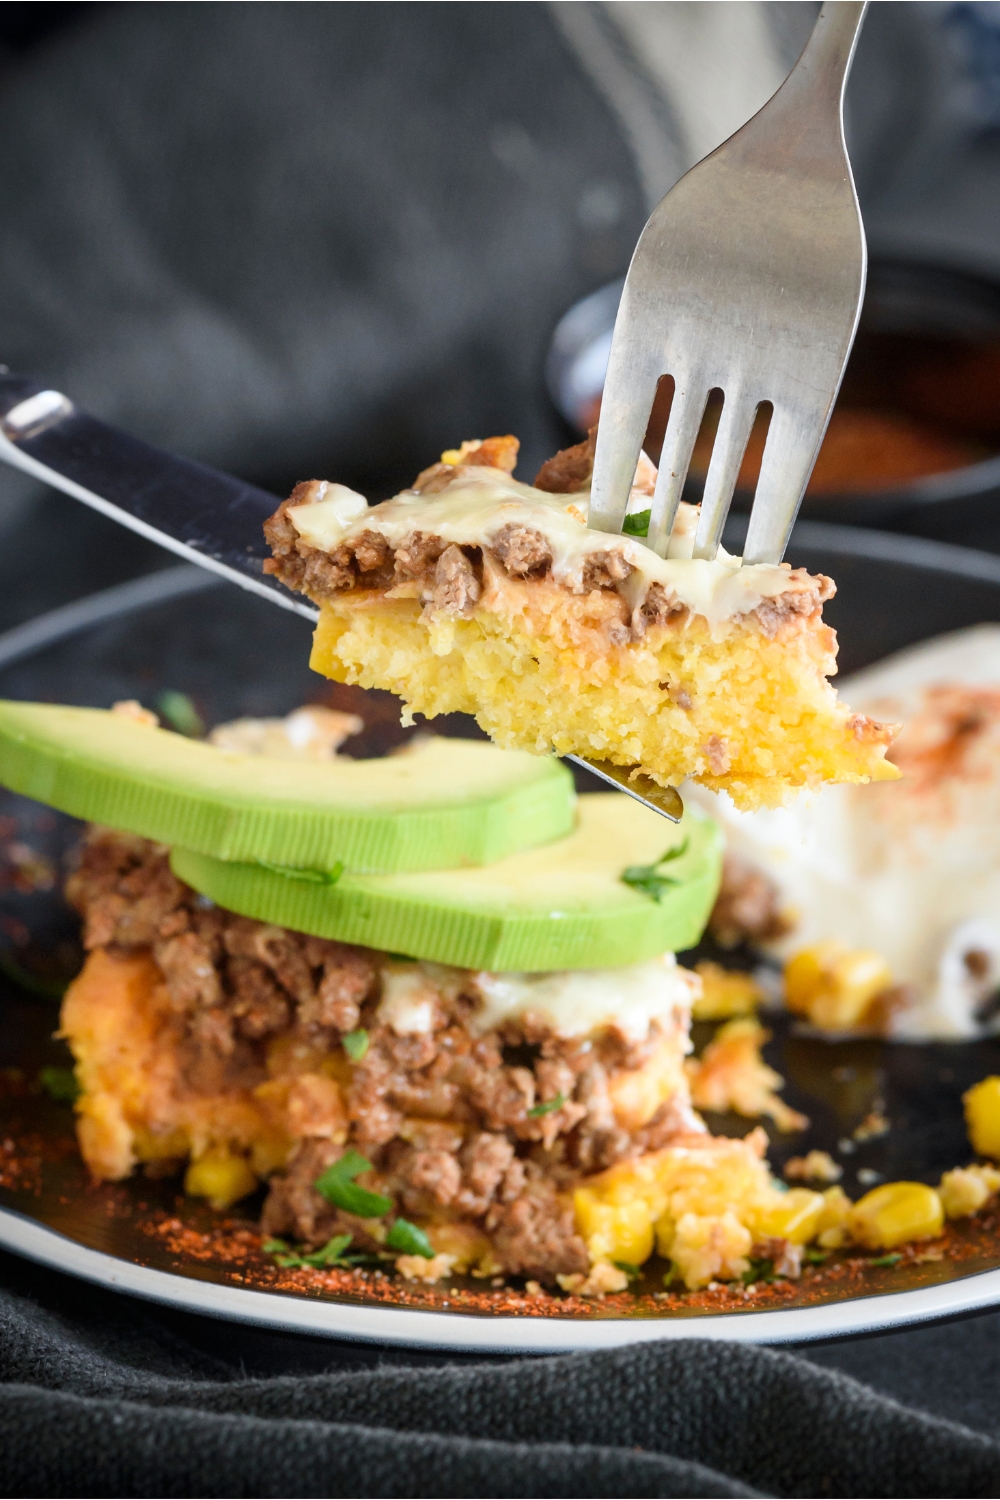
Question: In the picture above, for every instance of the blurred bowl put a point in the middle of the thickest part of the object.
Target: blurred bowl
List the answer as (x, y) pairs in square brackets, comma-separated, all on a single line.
[(917, 423)]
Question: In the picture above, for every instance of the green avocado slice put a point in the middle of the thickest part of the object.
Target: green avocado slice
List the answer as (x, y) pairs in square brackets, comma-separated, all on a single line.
[(562, 906), (441, 804)]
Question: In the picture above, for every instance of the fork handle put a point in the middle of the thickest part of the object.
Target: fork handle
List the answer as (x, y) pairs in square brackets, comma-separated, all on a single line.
[(820, 75)]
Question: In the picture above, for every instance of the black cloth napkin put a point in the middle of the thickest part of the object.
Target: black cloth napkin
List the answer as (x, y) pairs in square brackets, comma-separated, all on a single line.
[(101, 1395)]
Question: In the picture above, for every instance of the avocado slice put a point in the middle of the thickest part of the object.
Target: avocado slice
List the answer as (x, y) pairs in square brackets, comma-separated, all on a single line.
[(562, 906), (441, 804)]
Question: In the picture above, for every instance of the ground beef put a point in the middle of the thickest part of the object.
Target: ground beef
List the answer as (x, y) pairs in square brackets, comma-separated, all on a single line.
[(229, 976), (605, 570), (295, 1208), (445, 1116), (570, 469), (809, 595), (417, 557), (747, 908), (456, 587), (657, 608), (522, 550), (534, 1234), (297, 565), (371, 552)]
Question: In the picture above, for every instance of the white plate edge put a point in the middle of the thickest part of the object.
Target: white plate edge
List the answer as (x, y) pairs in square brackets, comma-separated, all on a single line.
[(478, 1333)]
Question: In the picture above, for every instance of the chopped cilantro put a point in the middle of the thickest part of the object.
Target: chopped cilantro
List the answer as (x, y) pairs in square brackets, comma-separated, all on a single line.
[(180, 713), (758, 1270), (409, 1240), (815, 1257), (314, 877), (338, 1187), (60, 1084), (637, 524), (649, 879), (355, 1044), (330, 1254), (673, 1274), (548, 1108), (632, 1272), (887, 1260)]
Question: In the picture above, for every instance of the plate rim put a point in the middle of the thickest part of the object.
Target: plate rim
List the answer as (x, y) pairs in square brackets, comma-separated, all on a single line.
[(464, 1332), (459, 1331)]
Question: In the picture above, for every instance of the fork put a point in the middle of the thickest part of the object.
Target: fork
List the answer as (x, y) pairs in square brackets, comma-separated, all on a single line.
[(748, 280)]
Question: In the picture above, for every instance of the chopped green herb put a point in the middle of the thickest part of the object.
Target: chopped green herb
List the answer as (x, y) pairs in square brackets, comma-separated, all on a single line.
[(338, 1187), (632, 1272), (758, 1270), (356, 1044), (673, 1275), (887, 1260), (409, 1240), (637, 524), (314, 877), (815, 1257), (548, 1108), (60, 1084), (649, 879), (180, 713), (330, 1254)]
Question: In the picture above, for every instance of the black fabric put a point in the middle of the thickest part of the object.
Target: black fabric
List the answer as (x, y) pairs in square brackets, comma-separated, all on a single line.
[(103, 1396)]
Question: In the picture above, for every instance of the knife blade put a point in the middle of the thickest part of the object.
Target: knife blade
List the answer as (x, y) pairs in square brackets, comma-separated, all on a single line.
[(202, 515)]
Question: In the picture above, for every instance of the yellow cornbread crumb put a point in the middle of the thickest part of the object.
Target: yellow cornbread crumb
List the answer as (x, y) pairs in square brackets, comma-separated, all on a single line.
[(725, 993), (732, 1074), (965, 1190), (815, 1166), (421, 1268)]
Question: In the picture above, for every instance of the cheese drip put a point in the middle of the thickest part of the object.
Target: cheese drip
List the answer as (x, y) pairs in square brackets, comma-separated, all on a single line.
[(479, 502)]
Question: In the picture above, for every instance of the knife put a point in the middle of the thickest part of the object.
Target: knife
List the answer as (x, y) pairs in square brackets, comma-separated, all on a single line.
[(202, 515)]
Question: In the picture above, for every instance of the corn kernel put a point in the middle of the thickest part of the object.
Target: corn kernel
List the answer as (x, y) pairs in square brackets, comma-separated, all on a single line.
[(966, 1189), (220, 1177), (982, 1116), (896, 1213), (725, 993), (614, 1231), (795, 1216), (833, 985), (269, 1153)]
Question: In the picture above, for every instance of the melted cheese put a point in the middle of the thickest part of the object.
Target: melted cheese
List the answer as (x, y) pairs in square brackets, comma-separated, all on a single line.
[(579, 1002), (480, 501)]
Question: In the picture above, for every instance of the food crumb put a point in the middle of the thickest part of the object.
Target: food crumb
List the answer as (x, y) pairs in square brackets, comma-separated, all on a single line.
[(815, 1166)]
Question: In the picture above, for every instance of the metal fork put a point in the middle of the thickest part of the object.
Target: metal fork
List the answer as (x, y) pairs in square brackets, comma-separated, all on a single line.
[(748, 280)]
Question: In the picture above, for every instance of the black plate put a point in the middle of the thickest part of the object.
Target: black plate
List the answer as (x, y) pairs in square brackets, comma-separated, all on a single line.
[(235, 655)]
